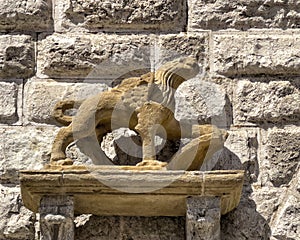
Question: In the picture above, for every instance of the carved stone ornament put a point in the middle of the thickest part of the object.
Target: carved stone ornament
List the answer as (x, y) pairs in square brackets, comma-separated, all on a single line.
[(56, 217), (200, 196), (145, 105)]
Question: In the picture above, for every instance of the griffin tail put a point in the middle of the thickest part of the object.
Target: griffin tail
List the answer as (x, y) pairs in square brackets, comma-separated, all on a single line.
[(61, 107)]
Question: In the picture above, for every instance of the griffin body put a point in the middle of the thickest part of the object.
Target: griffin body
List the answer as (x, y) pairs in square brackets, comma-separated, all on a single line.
[(143, 104)]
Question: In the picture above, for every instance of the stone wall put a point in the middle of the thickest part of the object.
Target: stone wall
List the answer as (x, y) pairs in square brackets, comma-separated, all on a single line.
[(250, 83)]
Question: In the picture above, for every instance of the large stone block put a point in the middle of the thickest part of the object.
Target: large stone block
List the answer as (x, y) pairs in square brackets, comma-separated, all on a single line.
[(267, 200), (243, 14), (200, 102), (256, 53), (41, 97), (136, 15), (16, 222), (26, 15), (17, 56), (92, 56), (240, 152), (280, 155), (111, 56), (135, 228), (8, 102), (286, 223), (152, 228), (273, 102), (24, 148), (171, 46), (98, 227)]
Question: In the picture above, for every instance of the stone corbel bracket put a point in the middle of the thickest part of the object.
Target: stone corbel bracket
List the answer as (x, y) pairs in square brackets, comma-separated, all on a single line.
[(113, 191)]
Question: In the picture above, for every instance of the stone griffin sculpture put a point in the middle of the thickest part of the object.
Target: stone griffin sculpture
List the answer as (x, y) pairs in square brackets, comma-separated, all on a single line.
[(145, 105)]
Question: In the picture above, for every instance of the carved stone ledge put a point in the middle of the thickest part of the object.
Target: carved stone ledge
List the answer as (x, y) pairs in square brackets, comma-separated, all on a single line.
[(103, 190), (60, 191)]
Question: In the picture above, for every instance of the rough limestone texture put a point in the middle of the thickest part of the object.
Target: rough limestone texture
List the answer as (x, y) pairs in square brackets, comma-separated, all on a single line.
[(280, 155), (57, 217), (274, 102), (41, 97), (8, 102), (256, 53), (243, 14), (270, 196), (288, 221), (171, 46), (135, 228), (203, 218), (111, 56), (286, 224), (124, 147), (24, 148), (240, 152), (17, 56), (247, 222), (16, 221), (248, 49), (269, 199), (116, 16), (91, 56), (201, 102), (26, 15)]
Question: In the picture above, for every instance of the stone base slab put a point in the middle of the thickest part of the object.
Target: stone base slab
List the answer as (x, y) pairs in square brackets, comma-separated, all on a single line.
[(111, 190)]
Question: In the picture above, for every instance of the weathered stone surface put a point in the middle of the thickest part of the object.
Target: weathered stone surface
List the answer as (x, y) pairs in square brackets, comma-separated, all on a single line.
[(124, 147), (99, 15), (267, 200), (17, 56), (286, 223), (98, 227), (8, 102), (16, 222), (140, 105), (111, 56), (108, 190), (243, 14), (246, 221), (203, 218), (273, 102), (41, 97), (201, 102), (57, 217), (240, 152), (265, 209), (92, 56), (26, 15), (24, 148), (152, 228), (256, 53), (280, 155), (171, 46), (135, 228)]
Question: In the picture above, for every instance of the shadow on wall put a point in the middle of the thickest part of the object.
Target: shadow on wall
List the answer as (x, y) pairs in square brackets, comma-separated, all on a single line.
[(244, 222)]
